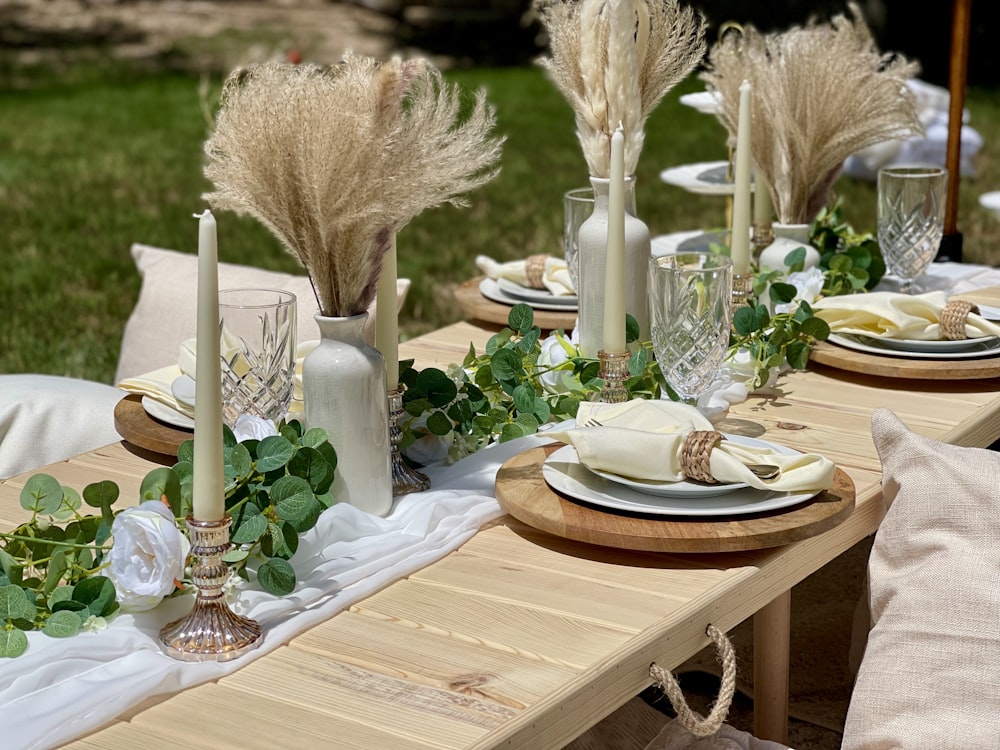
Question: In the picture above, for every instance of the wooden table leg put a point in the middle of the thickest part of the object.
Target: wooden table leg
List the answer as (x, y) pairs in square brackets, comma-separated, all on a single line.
[(771, 635)]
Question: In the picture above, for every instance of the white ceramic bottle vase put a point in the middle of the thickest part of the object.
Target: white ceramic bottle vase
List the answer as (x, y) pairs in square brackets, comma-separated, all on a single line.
[(593, 248), (344, 389)]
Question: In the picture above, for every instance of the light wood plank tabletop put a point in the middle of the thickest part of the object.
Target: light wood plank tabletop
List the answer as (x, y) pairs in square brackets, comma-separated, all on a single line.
[(521, 639)]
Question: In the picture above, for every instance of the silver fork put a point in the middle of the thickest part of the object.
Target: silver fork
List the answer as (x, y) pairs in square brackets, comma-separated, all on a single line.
[(763, 471)]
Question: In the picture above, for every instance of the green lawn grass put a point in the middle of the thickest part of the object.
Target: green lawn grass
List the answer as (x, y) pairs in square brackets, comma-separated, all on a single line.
[(102, 155)]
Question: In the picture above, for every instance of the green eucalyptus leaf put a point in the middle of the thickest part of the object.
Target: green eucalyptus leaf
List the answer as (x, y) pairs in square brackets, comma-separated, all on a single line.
[(817, 328), (312, 466), (529, 341), (439, 424), (511, 431), (12, 643), (276, 577), (42, 494), (541, 411), (796, 259), (59, 594), (159, 483), (70, 504), (315, 437), (798, 355), (440, 389), (782, 293), (524, 398), (251, 527), (274, 452), (507, 366), (54, 571), (329, 453), (62, 624), (101, 494), (235, 555), (185, 451), (521, 318), (631, 329), (14, 603), (745, 321), (637, 362), (239, 462), (12, 568), (484, 377), (98, 593)]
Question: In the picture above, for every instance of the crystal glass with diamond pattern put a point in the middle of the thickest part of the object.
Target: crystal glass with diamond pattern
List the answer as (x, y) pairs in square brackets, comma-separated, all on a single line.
[(689, 313), (258, 352), (911, 203)]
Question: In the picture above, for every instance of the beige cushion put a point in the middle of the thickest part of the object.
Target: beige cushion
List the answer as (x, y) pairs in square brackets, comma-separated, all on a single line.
[(165, 313), (930, 676)]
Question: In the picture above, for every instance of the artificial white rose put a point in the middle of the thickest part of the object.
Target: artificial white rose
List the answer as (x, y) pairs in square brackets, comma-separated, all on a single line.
[(743, 366), (250, 426), (808, 285), (556, 351), (148, 554), (429, 447)]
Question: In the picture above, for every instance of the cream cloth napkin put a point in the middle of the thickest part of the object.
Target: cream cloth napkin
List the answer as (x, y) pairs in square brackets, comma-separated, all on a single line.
[(895, 315), (157, 384), (642, 439), (556, 276)]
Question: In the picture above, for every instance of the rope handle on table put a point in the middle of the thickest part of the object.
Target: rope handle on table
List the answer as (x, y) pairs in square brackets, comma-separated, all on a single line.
[(691, 721)]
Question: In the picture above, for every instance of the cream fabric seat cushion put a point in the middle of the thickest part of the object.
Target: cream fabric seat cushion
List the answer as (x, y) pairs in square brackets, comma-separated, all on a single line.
[(930, 676), (165, 313)]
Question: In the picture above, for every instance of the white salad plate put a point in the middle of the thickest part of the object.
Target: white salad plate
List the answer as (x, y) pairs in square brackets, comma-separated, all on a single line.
[(164, 413), (564, 472), (987, 346), (183, 390), (527, 294), (489, 289)]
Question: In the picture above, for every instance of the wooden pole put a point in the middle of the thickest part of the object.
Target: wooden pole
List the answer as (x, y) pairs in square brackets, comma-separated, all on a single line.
[(951, 242)]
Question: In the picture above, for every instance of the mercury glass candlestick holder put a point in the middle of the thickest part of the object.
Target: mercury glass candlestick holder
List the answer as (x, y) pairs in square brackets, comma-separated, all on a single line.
[(211, 631), (763, 235), (404, 478), (742, 290), (613, 370)]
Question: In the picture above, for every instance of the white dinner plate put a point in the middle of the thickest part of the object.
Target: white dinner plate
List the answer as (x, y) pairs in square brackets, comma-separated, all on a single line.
[(183, 390), (966, 349), (164, 413), (527, 294), (708, 178), (489, 289), (706, 102), (564, 473), (685, 488), (697, 241)]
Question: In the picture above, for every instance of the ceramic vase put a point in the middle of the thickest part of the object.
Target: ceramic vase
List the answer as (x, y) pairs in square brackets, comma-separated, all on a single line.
[(787, 237), (344, 390), (593, 250)]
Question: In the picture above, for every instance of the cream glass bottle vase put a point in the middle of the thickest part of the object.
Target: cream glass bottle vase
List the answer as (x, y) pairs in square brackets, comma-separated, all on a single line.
[(344, 387), (787, 237), (593, 250)]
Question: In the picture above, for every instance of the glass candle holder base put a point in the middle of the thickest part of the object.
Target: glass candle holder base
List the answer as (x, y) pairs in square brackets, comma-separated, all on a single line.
[(763, 235), (211, 631), (742, 290), (614, 372), (404, 478)]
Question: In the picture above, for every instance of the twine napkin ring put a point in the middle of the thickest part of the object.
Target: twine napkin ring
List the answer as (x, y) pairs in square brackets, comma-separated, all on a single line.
[(696, 452), (953, 316), (534, 270)]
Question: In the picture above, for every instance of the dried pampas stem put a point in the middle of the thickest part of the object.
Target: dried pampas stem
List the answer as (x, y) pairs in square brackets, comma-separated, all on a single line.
[(820, 93), (614, 60), (335, 160)]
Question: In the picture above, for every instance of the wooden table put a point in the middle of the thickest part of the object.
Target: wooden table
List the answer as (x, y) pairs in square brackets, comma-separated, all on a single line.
[(520, 639)]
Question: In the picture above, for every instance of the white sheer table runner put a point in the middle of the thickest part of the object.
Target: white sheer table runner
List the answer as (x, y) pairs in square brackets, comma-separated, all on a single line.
[(63, 688)]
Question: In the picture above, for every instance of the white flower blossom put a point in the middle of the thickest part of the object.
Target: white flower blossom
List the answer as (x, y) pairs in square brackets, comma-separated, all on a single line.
[(250, 426), (556, 351), (429, 447), (94, 624), (148, 555), (808, 285)]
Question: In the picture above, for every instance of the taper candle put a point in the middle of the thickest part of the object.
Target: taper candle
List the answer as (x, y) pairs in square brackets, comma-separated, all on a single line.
[(613, 339), (739, 246), (386, 323), (762, 207), (208, 488)]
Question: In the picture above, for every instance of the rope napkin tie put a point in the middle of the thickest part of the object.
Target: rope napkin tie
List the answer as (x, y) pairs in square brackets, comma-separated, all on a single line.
[(665, 441), (537, 272), (926, 317)]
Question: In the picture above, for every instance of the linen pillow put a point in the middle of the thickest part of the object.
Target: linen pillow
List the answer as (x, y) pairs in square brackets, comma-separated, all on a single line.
[(165, 313), (930, 676), (48, 418)]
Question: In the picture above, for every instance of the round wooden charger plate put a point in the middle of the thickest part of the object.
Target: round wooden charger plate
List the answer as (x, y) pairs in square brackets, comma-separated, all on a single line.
[(138, 428), (475, 305), (825, 353), (524, 494)]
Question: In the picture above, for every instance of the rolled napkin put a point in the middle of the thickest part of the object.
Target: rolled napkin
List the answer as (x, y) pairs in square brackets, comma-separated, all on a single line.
[(651, 441), (537, 272), (927, 317)]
